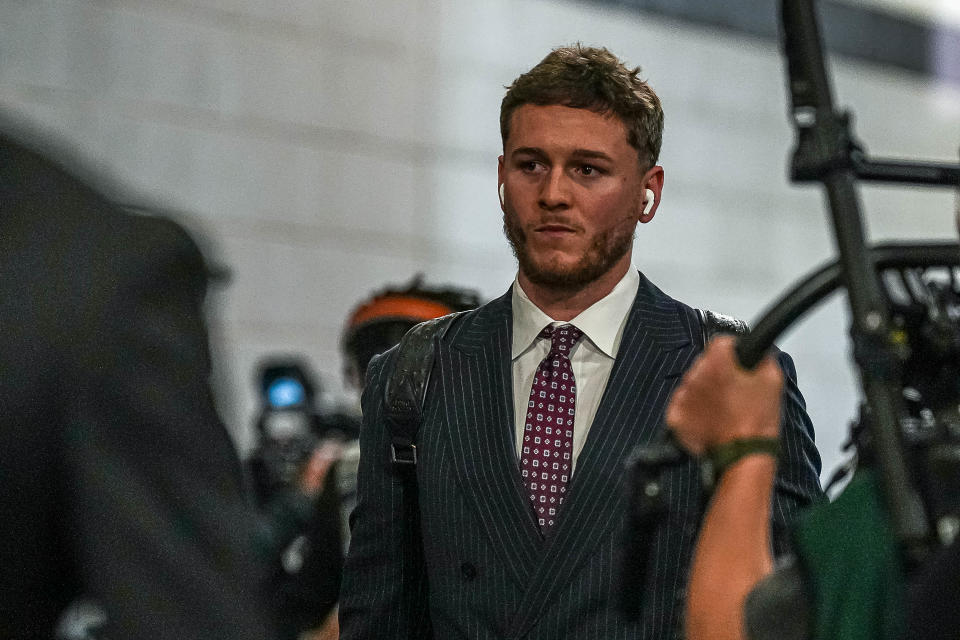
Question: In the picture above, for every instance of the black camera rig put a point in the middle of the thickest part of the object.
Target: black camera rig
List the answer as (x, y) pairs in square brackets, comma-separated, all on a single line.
[(905, 306)]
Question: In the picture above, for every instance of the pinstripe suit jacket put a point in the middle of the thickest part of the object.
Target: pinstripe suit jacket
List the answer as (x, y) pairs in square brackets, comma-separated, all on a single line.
[(461, 556)]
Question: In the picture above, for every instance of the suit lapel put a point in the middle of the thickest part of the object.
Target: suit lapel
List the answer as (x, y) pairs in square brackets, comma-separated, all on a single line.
[(478, 400), (655, 349)]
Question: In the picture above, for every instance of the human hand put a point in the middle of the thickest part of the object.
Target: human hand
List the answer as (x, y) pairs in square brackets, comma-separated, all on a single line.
[(314, 474), (719, 401)]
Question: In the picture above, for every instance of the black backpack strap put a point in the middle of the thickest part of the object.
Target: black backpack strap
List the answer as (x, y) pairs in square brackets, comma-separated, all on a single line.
[(406, 387)]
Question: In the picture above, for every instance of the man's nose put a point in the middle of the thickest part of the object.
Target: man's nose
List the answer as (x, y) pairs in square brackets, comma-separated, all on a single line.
[(555, 190)]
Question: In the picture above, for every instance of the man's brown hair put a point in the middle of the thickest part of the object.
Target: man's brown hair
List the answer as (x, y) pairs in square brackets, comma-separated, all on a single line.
[(595, 79)]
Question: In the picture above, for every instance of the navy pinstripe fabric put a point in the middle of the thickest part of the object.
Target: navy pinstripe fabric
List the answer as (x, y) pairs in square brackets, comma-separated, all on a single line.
[(481, 568)]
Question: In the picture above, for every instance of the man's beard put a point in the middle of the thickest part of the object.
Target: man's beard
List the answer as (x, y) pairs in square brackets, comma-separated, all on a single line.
[(600, 256)]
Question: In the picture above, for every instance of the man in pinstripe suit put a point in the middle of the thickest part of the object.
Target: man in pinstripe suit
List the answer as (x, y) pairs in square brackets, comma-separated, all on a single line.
[(507, 532)]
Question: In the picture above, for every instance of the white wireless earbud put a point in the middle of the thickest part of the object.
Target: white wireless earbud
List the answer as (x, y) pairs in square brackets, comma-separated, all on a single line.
[(501, 194), (649, 197)]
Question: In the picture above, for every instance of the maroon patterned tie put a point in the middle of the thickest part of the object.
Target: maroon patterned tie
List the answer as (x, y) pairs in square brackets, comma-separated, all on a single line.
[(547, 452)]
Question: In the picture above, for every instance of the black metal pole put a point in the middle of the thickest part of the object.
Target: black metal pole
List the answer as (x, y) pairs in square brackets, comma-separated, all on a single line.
[(934, 174), (824, 153)]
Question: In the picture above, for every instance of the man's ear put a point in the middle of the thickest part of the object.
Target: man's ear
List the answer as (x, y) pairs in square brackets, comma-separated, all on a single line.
[(652, 190)]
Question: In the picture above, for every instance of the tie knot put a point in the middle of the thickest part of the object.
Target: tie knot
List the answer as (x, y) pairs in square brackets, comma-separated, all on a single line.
[(562, 337)]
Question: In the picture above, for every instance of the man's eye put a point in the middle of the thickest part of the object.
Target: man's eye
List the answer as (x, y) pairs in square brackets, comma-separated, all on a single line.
[(589, 170), (529, 165)]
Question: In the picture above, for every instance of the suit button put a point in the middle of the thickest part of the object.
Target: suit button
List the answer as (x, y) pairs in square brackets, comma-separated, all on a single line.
[(468, 570)]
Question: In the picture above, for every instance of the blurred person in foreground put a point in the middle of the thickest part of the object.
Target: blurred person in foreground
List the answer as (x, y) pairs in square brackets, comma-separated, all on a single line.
[(845, 587), (510, 525), (118, 483)]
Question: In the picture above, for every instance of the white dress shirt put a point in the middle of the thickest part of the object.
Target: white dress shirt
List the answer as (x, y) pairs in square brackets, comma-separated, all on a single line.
[(592, 358)]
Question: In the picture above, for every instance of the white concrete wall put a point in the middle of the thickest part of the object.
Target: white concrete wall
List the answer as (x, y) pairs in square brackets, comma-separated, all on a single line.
[(327, 148)]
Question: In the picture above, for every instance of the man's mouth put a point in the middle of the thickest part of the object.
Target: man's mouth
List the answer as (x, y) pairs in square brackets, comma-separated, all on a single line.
[(554, 229)]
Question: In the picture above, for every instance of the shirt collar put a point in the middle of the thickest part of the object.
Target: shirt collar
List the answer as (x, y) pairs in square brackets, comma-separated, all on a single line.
[(602, 322)]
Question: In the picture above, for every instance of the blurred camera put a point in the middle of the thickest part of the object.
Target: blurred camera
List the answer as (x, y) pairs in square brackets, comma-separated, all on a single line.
[(287, 426)]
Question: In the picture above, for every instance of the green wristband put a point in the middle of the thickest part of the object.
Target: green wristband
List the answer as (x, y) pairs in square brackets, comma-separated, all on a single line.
[(724, 455)]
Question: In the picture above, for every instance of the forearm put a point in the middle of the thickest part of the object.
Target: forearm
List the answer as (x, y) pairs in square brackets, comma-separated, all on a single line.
[(733, 552)]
